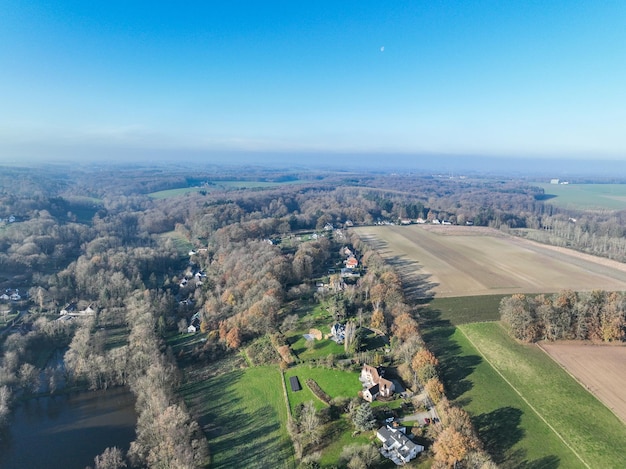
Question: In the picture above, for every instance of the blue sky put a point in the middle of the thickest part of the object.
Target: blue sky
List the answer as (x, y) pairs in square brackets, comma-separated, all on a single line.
[(493, 78)]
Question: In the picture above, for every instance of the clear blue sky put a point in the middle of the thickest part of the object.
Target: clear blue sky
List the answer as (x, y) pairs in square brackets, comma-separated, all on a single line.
[(501, 78)]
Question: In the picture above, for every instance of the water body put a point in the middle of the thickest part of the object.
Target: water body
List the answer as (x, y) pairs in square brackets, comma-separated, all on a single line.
[(66, 432)]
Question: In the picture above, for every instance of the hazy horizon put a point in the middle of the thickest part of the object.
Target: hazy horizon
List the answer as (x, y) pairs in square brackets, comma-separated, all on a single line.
[(147, 80)]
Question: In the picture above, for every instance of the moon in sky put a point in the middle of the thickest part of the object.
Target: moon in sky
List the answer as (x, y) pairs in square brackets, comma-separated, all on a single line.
[(382, 49)]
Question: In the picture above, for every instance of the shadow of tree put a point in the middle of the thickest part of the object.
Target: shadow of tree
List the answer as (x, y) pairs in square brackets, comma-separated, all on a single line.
[(454, 367), (517, 460), (499, 431)]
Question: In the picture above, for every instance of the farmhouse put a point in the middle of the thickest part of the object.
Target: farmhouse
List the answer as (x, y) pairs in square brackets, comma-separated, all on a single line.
[(374, 384), (396, 445)]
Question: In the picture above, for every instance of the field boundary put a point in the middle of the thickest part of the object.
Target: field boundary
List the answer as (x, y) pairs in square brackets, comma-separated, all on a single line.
[(579, 382), (523, 398)]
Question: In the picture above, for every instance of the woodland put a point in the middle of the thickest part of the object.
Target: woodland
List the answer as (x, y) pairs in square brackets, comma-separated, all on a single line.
[(236, 258)]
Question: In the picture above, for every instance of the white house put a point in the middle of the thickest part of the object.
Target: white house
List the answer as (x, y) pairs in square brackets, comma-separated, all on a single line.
[(374, 384), (396, 445)]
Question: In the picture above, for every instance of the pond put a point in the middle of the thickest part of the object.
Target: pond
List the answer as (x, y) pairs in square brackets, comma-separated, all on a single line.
[(68, 431)]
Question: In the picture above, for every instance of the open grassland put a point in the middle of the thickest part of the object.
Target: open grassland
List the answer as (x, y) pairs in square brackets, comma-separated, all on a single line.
[(600, 368), (586, 196), (468, 261), (254, 184), (182, 244), (335, 383), (244, 415), (590, 430), (465, 309), (166, 194), (512, 433)]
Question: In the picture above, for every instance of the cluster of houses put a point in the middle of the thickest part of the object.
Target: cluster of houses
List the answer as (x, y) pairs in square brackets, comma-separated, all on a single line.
[(397, 446), (351, 264), (197, 277), (11, 295), (10, 219)]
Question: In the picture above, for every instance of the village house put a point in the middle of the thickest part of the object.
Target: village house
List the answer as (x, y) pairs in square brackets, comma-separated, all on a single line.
[(396, 445), (351, 262), (338, 332), (374, 384)]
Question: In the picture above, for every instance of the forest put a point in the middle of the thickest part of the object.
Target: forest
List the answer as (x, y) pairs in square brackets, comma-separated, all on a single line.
[(136, 270)]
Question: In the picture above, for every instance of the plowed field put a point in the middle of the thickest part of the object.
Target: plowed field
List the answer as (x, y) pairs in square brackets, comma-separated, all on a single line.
[(600, 368), (446, 261)]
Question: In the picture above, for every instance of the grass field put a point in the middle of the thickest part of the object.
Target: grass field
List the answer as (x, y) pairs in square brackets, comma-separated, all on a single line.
[(183, 246), (166, 194), (512, 433), (244, 415), (586, 426), (586, 196), (335, 383), (453, 261), (463, 310)]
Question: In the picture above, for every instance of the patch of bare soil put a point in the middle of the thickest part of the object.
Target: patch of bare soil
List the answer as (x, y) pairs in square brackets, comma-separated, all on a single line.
[(466, 261), (600, 368)]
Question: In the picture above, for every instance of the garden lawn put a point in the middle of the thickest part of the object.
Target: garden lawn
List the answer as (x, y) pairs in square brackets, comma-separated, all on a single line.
[(335, 383), (320, 348), (244, 415), (588, 427)]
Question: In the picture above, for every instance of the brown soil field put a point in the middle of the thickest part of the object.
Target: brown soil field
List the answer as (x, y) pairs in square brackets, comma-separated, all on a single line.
[(600, 368), (446, 261)]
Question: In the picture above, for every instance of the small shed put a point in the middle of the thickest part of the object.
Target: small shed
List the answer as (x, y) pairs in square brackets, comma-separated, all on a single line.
[(295, 384)]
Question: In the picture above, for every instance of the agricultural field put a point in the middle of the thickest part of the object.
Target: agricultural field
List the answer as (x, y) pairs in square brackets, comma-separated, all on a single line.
[(446, 261), (166, 194), (587, 428), (512, 433), (244, 416), (585, 196), (600, 368)]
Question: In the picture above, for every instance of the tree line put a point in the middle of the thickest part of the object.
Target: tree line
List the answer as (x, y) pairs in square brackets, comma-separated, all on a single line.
[(595, 315)]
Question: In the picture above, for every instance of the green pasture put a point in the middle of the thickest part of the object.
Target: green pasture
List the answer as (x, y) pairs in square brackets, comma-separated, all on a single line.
[(585, 196), (244, 415), (335, 383), (512, 431), (166, 194), (253, 184), (183, 246), (463, 310)]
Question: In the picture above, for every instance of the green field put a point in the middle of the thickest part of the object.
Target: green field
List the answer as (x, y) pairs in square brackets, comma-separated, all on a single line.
[(166, 194), (244, 415), (335, 383), (586, 196), (183, 246), (466, 309), (514, 433), (253, 184)]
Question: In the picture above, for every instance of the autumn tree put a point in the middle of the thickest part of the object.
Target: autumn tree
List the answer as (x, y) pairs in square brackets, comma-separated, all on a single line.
[(434, 388), (451, 446), (111, 458)]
